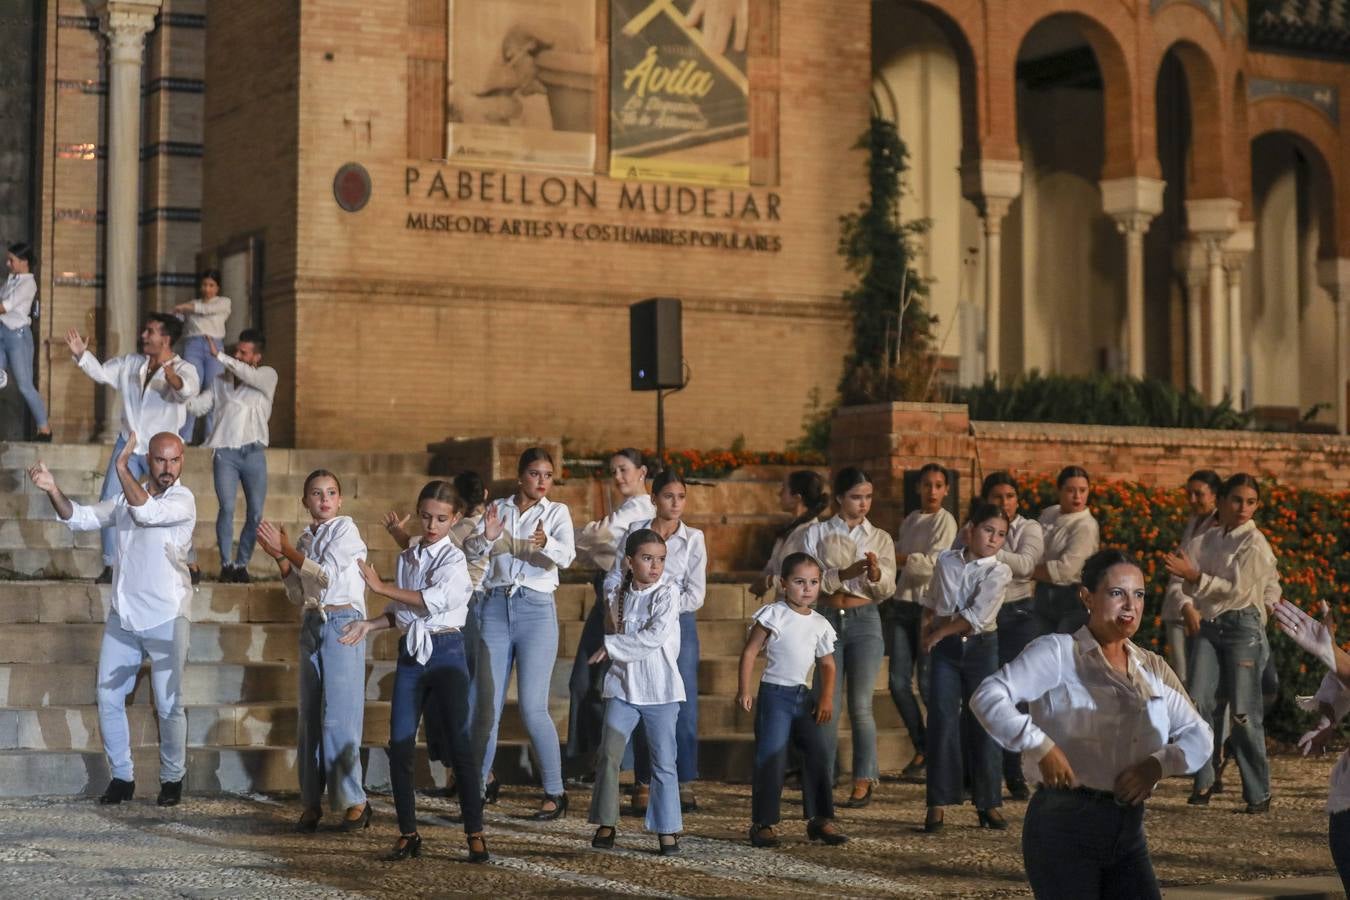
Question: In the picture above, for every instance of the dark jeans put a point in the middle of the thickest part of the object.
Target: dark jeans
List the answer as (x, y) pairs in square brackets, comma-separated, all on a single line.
[(586, 709), (787, 713), (442, 689), (1059, 608), (901, 621), (958, 667), (1017, 627), (1338, 836), (1227, 658), (686, 723), (1078, 844), (858, 649)]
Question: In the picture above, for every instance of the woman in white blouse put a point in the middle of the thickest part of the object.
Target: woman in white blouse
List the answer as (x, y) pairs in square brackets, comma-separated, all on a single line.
[(1106, 721), (802, 496), (1071, 536), (1229, 579), (16, 332), (597, 545), (858, 560), (203, 318), (1202, 493)]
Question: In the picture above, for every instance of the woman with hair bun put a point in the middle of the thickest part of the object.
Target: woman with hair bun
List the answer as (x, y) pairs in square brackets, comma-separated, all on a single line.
[(804, 497)]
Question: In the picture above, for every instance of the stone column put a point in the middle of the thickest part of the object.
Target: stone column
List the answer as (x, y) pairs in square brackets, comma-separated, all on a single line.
[(992, 185), (1213, 222), (1235, 252), (1190, 263), (1133, 202), (1334, 276), (125, 24)]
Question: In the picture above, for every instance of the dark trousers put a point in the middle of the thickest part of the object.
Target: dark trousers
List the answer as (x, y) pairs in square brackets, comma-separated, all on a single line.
[(958, 667), (1078, 844), (441, 688), (1338, 836), (901, 620), (1017, 627), (586, 710), (786, 714), (1059, 608)]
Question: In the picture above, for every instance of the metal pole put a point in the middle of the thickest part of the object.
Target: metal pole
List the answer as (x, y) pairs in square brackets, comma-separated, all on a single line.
[(661, 428)]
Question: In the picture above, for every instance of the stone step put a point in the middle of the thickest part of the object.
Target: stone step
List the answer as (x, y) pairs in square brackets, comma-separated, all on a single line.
[(280, 460)]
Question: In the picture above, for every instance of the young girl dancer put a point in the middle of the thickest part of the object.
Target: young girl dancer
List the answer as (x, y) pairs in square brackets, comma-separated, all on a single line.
[(1202, 493), (959, 632), (527, 539), (203, 318), (794, 637), (597, 546), (430, 606), (858, 560), (1071, 536), (642, 643), (923, 534), (320, 571), (686, 568), (803, 497)]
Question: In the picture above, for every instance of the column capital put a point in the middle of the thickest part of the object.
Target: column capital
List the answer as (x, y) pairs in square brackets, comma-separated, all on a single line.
[(992, 185), (1213, 220), (1133, 201), (1238, 246), (126, 23)]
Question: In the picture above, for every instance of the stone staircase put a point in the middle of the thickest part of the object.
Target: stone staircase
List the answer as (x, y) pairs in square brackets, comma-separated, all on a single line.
[(241, 679)]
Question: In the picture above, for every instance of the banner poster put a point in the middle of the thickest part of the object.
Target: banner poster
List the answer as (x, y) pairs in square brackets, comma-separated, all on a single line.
[(678, 91), (521, 85)]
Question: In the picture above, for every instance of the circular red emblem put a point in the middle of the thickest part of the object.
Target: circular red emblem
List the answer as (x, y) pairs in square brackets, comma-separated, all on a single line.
[(351, 187)]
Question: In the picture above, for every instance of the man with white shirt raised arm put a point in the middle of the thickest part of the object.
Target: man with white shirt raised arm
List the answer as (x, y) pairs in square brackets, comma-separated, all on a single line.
[(152, 524), (154, 385), (242, 399)]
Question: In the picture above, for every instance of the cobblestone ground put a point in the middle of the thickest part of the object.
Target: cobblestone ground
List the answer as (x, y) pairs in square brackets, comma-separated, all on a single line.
[(233, 846)]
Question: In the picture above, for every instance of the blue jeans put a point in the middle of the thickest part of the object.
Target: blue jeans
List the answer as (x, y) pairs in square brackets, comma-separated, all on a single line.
[(858, 649), (958, 667), (586, 706), (1226, 659), (119, 661), (658, 720), (519, 629), (1338, 836), (1017, 627), (113, 487), (902, 627), (788, 713), (230, 466), (686, 725), (209, 368), (1079, 844), (332, 712), (441, 689), (16, 355)]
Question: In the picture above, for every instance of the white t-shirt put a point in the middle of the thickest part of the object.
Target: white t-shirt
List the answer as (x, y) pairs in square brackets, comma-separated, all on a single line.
[(795, 643)]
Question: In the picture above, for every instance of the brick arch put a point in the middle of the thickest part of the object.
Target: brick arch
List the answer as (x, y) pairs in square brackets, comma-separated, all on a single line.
[(1209, 161), (1103, 27), (1319, 141)]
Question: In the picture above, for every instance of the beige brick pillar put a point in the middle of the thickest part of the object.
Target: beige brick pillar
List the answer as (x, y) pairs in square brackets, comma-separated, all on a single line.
[(992, 185), (1133, 203), (1334, 277), (125, 24), (1212, 222)]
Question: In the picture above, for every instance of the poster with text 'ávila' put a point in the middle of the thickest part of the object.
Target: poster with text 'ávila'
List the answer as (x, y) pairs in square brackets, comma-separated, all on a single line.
[(678, 91), (522, 82)]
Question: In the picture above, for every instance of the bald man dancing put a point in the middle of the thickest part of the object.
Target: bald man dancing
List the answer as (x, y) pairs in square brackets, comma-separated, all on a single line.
[(151, 589)]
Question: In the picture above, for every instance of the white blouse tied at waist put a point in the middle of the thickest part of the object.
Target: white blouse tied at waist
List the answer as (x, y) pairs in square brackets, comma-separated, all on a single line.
[(686, 565), (830, 541), (329, 576), (646, 647), (1104, 721), (513, 561), (438, 572)]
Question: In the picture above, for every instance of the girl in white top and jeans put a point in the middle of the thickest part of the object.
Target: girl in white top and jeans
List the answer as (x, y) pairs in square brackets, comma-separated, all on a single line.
[(16, 332), (1071, 536), (1106, 722), (204, 318)]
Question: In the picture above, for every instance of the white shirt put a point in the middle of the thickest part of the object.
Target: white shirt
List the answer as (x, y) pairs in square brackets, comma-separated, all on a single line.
[(207, 318), (970, 589), (1175, 598), (438, 572), (459, 532), (1237, 570), (645, 649), (150, 409), (151, 584), (513, 562), (795, 642), (17, 296), (686, 565), (243, 403), (1070, 538), (597, 542), (1103, 720), (836, 546), (1336, 695), (329, 576), (773, 569), (922, 536), (1022, 553)]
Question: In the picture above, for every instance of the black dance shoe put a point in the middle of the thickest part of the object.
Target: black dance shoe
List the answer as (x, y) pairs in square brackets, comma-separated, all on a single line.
[(170, 793), (669, 844), (859, 802), (478, 851), (408, 845), (118, 790), (604, 837), (559, 809)]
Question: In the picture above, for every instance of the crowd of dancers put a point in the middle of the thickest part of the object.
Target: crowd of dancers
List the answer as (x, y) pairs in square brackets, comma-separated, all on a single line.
[(1016, 631)]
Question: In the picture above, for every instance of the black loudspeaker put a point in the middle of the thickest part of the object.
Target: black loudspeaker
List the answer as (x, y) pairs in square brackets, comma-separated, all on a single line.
[(656, 344)]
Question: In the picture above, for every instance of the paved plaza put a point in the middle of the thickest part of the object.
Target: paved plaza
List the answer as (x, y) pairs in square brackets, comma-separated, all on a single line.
[(238, 846)]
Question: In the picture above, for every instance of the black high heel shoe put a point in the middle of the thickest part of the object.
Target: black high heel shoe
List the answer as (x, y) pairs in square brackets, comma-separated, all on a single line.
[(669, 849), (559, 809), (406, 846), (604, 841), (816, 831), (491, 792), (481, 854), (360, 823), (992, 818), (859, 802)]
